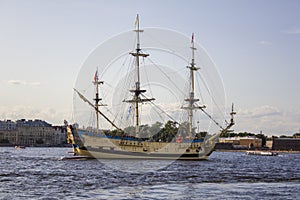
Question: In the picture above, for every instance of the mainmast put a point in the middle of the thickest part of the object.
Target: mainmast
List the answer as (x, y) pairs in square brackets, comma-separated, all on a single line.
[(191, 100), (137, 90)]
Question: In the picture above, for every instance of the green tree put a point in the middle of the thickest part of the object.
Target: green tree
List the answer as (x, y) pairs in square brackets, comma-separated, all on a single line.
[(229, 133), (245, 134), (201, 135), (130, 130), (155, 128), (184, 129), (144, 131), (296, 135), (167, 133), (284, 136)]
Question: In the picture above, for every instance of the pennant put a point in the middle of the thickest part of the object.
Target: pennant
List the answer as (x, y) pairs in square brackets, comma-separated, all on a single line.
[(96, 76), (136, 20), (129, 111), (192, 38)]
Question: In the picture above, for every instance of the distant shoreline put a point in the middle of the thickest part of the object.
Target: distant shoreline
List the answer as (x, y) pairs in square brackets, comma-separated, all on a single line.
[(44, 146), (277, 151)]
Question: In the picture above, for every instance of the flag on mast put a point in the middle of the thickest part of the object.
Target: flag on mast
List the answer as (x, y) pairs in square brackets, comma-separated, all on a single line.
[(96, 76), (192, 38), (129, 111), (136, 20)]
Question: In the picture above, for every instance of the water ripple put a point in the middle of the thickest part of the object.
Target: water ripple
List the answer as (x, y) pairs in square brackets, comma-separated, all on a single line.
[(37, 173)]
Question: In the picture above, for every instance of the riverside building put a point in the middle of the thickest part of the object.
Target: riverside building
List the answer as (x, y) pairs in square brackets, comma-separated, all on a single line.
[(240, 143), (31, 133), (286, 144)]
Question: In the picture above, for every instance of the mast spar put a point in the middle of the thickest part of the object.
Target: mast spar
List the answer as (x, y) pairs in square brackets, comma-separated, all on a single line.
[(137, 91), (191, 100)]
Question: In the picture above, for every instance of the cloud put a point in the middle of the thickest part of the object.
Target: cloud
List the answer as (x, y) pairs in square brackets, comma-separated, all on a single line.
[(19, 82), (269, 119), (292, 30), (15, 82), (264, 42), (259, 112), (49, 114), (265, 111)]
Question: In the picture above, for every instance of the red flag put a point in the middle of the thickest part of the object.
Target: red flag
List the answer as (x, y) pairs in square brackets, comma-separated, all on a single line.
[(192, 38), (96, 76)]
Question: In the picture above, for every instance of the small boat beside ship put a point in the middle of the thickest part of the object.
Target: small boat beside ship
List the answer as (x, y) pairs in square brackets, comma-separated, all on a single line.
[(20, 147), (168, 142), (262, 153)]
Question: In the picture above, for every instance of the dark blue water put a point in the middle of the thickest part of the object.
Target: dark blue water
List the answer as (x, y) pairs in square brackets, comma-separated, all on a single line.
[(38, 173)]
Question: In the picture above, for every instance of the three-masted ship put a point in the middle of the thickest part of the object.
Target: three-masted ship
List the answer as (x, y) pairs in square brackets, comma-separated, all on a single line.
[(102, 144)]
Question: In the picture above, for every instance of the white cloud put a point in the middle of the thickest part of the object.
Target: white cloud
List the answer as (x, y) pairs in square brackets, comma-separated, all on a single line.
[(264, 42), (265, 111), (19, 82), (269, 119), (259, 112), (48, 114), (292, 30)]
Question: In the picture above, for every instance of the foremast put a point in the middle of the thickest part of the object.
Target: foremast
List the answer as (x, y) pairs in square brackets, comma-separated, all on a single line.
[(137, 91), (96, 109), (191, 100), (97, 99)]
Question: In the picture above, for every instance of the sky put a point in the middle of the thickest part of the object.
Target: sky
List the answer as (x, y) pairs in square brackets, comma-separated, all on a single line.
[(254, 44)]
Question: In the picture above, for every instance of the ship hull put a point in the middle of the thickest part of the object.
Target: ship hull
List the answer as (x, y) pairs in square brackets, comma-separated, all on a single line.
[(100, 147), (135, 155)]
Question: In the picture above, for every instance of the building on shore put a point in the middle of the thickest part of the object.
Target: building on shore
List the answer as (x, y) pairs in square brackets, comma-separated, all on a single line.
[(8, 132), (286, 144), (31, 133), (269, 144), (239, 143)]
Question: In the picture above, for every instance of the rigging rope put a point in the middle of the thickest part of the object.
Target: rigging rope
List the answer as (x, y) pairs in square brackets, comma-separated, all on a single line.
[(211, 118), (166, 76), (211, 96), (147, 77), (160, 109)]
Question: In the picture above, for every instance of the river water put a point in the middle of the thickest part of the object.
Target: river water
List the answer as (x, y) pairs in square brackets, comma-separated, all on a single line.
[(39, 173)]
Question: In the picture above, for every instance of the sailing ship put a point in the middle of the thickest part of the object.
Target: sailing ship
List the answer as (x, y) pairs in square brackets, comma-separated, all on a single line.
[(106, 144)]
